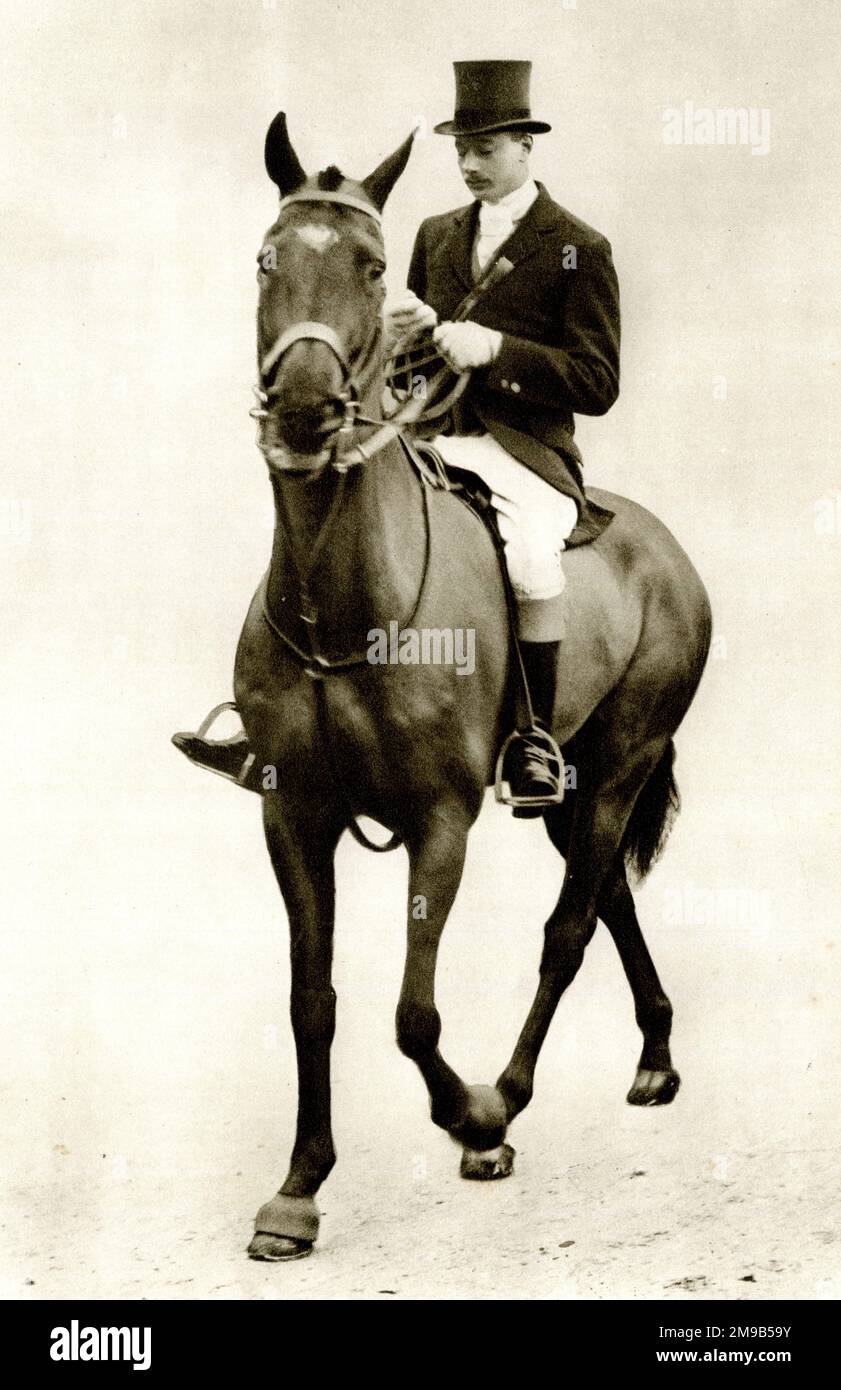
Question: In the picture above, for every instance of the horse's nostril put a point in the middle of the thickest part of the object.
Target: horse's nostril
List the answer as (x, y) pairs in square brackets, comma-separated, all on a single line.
[(308, 429)]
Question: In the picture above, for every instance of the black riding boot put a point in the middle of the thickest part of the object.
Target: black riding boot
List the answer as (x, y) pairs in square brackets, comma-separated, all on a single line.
[(229, 757), (534, 771)]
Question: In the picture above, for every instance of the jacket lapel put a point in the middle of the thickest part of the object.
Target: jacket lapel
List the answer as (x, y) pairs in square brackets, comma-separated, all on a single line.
[(524, 241), (456, 249)]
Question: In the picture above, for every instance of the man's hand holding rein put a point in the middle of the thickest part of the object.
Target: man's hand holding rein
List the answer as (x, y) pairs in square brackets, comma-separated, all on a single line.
[(466, 345)]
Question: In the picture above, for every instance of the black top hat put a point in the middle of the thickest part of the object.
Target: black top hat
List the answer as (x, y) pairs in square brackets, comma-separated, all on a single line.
[(492, 96)]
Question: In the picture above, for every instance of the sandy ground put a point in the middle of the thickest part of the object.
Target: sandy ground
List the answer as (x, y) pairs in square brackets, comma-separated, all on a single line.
[(154, 1095)]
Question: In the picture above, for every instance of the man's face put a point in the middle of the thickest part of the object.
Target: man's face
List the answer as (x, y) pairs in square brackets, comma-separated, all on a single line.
[(493, 165)]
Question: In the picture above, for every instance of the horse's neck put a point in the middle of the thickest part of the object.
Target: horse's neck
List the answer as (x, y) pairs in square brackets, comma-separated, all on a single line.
[(371, 567)]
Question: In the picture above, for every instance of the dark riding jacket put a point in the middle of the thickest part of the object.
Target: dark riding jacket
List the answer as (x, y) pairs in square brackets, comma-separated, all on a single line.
[(558, 312)]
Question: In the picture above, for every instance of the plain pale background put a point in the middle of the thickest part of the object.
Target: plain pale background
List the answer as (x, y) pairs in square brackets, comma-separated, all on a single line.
[(149, 1103)]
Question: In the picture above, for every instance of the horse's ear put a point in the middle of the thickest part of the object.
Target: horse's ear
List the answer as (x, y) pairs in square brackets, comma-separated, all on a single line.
[(379, 184), (282, 164)]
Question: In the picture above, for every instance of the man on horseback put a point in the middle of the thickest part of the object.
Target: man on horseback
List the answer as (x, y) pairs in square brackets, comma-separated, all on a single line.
[(541, 343), (363, 537)]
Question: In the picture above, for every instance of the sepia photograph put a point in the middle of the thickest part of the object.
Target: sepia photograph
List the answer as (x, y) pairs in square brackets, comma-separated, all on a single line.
[(420, 527)]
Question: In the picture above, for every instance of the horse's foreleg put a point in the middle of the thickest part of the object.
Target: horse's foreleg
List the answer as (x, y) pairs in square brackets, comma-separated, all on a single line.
[(656, 1081), (303, 863), (473, 1115)]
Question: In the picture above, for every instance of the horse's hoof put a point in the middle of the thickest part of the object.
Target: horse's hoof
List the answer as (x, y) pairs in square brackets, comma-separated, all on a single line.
[(276, 1248), (487, 1165), (285, 1229), (653, 1087)]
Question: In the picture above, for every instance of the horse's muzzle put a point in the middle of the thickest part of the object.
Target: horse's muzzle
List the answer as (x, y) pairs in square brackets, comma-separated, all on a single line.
[(308, 429)]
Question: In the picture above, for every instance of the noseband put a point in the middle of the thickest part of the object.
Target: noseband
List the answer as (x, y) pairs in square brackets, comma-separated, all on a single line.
[(309, 331), (347, 399)]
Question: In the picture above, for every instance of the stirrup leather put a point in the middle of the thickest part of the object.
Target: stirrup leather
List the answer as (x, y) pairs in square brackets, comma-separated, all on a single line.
[(554, 759)]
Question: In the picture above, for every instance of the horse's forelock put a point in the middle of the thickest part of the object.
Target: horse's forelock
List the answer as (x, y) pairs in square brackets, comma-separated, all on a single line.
[(330, 179)]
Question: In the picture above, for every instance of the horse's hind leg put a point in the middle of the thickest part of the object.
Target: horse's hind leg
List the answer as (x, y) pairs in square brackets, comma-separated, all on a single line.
[(656, 1081), (302, 858), (473, 1115), (599, 820)]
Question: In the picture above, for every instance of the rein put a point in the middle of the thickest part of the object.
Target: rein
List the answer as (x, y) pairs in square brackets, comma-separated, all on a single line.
[(315, 663), (342, 459), (353, 389)]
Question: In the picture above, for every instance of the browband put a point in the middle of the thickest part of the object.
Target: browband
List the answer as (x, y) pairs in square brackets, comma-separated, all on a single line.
[(320, 195)]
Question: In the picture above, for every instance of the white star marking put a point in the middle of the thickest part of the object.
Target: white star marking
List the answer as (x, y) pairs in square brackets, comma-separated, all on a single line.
[(317, 236)]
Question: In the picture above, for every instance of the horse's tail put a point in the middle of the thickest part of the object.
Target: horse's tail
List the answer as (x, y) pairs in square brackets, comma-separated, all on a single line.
[(652, 817)]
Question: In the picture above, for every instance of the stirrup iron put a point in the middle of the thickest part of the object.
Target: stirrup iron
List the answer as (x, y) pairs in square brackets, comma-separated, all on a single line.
[(555, 759), (201, 732)]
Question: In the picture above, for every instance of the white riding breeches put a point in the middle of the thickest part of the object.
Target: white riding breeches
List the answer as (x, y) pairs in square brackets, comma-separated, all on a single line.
[(534, 518)]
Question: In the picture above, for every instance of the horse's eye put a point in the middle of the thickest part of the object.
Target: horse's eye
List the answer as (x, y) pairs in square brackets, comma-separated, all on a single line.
[(375, 271)]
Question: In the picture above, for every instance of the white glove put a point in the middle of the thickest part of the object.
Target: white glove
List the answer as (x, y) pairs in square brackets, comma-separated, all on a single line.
[(466, 345), (404, 317)]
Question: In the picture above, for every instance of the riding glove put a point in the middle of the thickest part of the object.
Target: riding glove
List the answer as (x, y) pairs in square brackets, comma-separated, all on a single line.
[(466, 345), (404, 317)]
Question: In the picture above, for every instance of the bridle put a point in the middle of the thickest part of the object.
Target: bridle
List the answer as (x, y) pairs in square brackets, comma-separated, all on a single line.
[(357, 376), (356, 379), (340, 454)]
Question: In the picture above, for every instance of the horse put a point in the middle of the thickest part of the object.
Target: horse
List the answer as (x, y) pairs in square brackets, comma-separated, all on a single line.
[(360, 541)]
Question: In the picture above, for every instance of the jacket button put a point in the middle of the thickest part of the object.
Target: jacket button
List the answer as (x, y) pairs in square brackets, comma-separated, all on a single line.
[(515, 386)]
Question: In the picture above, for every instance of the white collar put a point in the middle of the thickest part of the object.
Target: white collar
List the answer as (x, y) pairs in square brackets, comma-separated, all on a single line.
[(517, 203)]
